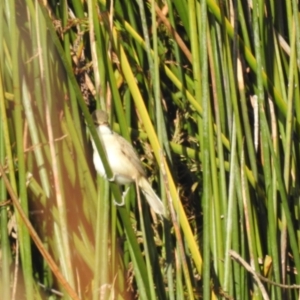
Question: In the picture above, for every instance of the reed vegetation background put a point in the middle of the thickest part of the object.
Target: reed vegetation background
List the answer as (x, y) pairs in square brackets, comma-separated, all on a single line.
[(208, 93)]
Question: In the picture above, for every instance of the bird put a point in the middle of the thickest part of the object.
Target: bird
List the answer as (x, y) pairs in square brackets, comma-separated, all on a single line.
[(123, 161)]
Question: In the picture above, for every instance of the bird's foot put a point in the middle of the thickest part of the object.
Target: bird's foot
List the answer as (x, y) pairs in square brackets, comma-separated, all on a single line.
[(124, 194), (112, 179)]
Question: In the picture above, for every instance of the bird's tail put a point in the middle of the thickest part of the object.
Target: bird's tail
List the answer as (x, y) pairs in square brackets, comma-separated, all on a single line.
[(153, 200)]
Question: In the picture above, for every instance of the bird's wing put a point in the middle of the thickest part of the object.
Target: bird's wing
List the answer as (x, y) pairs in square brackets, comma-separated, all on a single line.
[(130, 154)]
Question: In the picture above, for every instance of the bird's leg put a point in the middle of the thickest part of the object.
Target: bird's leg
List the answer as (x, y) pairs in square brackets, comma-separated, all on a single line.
[(112, 179), (124, 194), (138, 196)]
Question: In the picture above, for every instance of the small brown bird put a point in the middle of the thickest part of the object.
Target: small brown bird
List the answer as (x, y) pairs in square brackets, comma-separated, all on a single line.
[(123, 161)]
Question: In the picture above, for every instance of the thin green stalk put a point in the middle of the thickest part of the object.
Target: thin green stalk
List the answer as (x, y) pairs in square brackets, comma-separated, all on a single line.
[(23, 236), (219, 113), (206, 153), (160, 123), (67, 46), (296, 23), (195, 46), (102, 279), (150, 269), (261, 104), (117, 102), (250, 225), (288, 151), (96, 44), (161, 129), (246, 123), (290, 117), (146, 36), (178, 55), (5, 247), (229, 214), (217, 207)]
